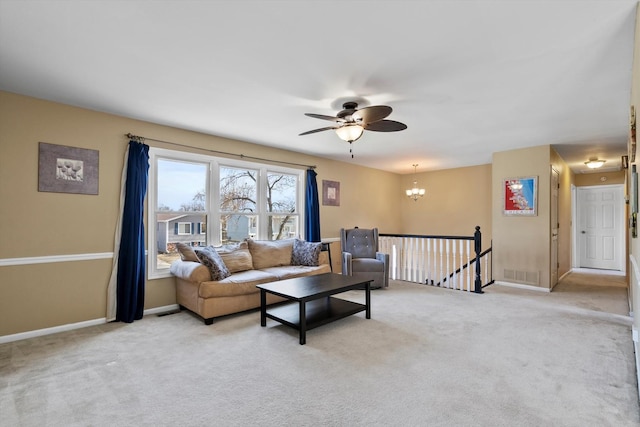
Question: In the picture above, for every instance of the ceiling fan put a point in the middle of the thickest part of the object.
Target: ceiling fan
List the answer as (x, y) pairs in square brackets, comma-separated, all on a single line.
[(351, 122)]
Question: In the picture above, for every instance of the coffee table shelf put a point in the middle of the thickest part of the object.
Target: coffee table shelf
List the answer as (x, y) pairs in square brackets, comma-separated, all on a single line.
[(318, 312)]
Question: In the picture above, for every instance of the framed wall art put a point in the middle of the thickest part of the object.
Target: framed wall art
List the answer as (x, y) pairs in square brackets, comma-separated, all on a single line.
[(63, 169), (520, 196), (330, 193)]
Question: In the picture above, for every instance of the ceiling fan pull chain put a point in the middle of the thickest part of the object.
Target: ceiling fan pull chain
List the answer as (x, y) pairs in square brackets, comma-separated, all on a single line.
[(351, 149)]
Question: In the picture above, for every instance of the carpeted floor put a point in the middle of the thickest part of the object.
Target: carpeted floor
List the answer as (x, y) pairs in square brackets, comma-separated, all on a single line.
[(428, 357)]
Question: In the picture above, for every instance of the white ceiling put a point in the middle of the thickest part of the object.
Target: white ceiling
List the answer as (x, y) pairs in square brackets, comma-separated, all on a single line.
[(469, 78)]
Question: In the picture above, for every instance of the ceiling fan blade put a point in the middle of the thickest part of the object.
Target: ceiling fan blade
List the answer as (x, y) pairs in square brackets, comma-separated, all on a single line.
[(385, 126), (318, 130), (372, 114), (323, 117)]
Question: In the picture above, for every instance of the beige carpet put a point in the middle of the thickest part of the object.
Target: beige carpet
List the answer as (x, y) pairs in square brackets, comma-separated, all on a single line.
[(428, 357)]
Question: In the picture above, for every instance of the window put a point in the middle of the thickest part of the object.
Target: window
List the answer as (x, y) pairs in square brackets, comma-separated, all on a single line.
[(183, 228), (203, 200), (281, 205), (237, 203)]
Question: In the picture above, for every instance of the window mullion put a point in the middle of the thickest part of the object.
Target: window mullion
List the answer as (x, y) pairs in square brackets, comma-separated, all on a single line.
[(213, 228), (261, 208)]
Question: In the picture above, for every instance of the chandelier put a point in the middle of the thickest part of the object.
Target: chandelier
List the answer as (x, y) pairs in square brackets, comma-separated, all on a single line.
[(415, 192)]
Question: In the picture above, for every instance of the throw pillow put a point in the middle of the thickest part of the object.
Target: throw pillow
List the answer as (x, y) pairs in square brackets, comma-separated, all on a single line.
[(210, 258), (270, 253), (236, 257), (306, 253), (186, 252)]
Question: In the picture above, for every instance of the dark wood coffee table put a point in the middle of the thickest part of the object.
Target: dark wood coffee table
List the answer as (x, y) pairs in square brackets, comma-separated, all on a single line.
[(310, 303)]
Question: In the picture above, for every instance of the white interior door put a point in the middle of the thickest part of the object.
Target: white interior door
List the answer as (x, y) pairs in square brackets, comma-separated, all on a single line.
[(600, 224)]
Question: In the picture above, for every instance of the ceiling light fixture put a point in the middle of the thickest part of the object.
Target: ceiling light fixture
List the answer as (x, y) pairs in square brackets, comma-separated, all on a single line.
[(594, 163), (350, 132), (415, 192)]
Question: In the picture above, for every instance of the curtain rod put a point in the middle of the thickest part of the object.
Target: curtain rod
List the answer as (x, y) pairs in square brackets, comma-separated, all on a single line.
[(242, 156)]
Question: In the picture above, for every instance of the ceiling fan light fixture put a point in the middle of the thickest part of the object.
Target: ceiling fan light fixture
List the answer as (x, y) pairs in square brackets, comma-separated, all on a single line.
[(594, 163), (350, 132)]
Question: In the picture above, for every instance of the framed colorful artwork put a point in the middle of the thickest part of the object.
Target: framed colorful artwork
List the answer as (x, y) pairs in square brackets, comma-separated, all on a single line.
[(520, 196)]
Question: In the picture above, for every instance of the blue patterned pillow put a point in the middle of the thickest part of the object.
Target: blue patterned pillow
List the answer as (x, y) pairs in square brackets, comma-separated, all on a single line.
[(211, 258), (305, 253)]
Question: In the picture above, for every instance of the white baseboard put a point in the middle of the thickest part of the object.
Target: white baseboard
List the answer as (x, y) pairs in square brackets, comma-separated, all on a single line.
[(598, 271), (78, 325), (520, 286)]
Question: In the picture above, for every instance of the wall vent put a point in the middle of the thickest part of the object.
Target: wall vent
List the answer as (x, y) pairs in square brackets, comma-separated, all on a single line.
[(526, 277)]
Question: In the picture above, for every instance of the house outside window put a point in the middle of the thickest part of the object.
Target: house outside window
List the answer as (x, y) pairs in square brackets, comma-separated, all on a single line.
[(203, 200)]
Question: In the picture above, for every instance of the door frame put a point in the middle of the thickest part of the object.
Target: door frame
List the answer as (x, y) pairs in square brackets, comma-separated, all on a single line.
[(574, 226), (554, 247)]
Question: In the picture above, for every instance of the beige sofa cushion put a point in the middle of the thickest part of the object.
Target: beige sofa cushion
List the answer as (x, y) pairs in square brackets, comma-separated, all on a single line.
[(270, 253), (291, 271), (236, 257), (237, 284)]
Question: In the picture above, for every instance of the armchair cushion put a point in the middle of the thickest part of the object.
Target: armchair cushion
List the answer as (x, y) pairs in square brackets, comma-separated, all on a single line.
[(369, 265)]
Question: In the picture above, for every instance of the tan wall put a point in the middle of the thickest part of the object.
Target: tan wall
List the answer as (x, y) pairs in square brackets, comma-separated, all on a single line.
[(522, 243), (456, 201), (599, 178), (38, 224)]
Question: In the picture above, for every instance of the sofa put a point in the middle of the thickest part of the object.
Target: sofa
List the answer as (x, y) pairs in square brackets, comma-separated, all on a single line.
[(217, 281)]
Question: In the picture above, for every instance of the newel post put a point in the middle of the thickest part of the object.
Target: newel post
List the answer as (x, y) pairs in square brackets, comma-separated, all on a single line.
[(477, 240)]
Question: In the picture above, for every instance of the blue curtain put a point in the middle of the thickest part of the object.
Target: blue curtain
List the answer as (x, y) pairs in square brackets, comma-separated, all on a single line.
[(312, 212), (131, 259)]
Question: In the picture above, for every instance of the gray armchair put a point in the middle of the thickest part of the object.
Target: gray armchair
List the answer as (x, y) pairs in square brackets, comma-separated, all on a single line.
[(360, 256)]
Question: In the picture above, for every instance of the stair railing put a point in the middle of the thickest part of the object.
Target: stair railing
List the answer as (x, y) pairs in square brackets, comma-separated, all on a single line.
[(444, 261)]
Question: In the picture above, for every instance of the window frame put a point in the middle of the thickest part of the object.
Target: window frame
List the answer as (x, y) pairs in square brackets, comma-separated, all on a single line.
[(184, 233), (212, 209)]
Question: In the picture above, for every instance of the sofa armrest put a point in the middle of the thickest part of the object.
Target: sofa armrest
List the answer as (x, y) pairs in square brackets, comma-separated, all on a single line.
[(191, 271)]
